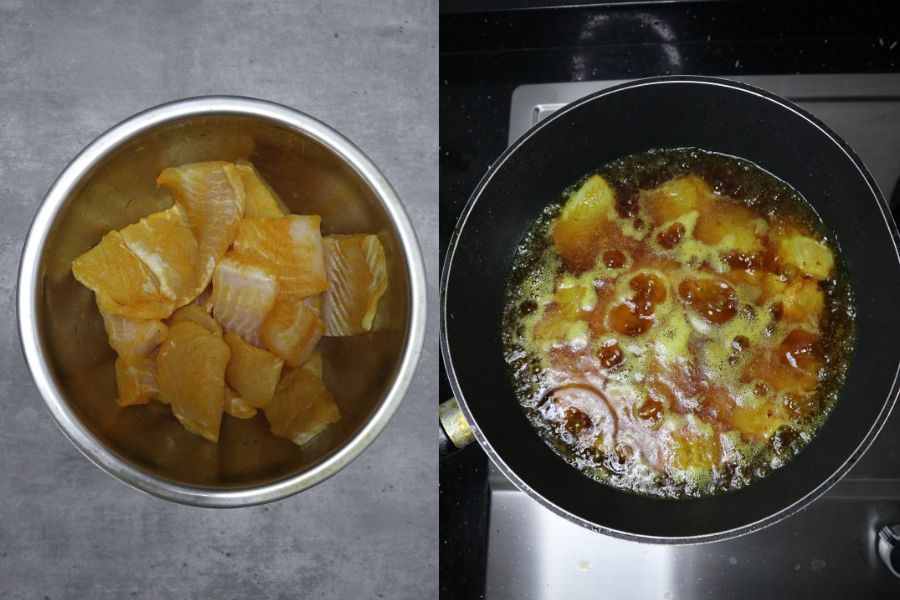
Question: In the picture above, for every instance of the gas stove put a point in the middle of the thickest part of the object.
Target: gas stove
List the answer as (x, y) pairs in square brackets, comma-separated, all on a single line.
[(829, 549)]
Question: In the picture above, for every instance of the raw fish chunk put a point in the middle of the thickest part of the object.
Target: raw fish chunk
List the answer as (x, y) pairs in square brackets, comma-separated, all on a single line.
[(204, 300), (301, 408), (133, 339), (243, 294), (252, 372), (579, 230), (212, 197), (357, 278), (135, 381), (165, 243), (236, 406), (314, 364), (198, 315), (292, 330), (291, 245), (260, 199), (314, 303), (123, 284), (190, 372)]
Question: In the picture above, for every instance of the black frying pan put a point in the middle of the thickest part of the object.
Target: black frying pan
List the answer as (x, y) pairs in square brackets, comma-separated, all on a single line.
[(670, 112)]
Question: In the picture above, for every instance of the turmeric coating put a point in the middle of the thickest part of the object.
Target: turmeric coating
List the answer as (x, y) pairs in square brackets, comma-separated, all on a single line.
[(210, 303)]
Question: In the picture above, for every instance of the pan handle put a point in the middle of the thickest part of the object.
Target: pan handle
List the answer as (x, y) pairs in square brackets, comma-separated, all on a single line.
[(454, 432), (889, 548)]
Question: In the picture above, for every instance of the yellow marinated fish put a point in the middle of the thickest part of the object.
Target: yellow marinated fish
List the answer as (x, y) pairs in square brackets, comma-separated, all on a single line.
[(165, 244), (301, 408), (260, 199), (314, 364), (133, 339), (357, 278), (291, 245), (123, 284), (252, 372), (243, 294), (190, 372), (212, 197), (236, 406), (198, 315), (292, 330)]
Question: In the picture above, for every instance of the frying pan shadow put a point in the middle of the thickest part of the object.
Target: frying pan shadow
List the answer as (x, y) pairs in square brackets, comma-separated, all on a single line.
[(669, 112)]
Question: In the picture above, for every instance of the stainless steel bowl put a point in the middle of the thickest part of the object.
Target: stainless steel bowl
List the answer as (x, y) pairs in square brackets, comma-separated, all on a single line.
[(111, 184)]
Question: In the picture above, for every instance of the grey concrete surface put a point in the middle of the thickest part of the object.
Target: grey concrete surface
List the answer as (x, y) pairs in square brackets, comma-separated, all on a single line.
[(68, 71)]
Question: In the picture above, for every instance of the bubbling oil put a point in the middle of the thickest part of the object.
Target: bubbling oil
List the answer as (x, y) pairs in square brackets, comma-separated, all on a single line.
[(678, 323)]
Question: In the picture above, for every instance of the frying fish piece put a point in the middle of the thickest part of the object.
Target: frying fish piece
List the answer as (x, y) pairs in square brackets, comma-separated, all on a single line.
[(236, 406), (243, 293), (133, 339), (196, 314), (212, 197), (190, 372), (301, 407), (252, 372), (579, 230), (678, 197), (123, 284), (291, 330), (806, 255), (165, 243), (260, 199), (357, 278), (291, 245), (135, 381)]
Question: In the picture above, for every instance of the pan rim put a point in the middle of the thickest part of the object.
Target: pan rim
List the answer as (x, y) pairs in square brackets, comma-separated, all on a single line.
[(446, 352)]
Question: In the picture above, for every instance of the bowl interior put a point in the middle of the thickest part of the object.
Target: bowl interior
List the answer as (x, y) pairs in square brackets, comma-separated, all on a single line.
[(311, 179)]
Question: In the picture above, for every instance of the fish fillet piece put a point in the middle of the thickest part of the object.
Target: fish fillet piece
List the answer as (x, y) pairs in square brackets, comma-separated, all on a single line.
[(124, 285), (165, 243), (260, 199), (292, 245), (291, 330), (204, 300), (302, 407), (133, 339), (314, 364), (212, 197), (190, 372), (243, 294), (252, 372), (135, 381), (314, 303), (196, 314), (236, 406), (357, 278), (580, 229)]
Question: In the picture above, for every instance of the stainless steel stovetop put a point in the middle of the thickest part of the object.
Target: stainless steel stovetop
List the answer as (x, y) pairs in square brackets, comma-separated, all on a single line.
[(826, 551)]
